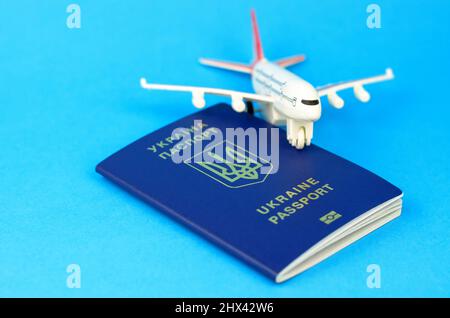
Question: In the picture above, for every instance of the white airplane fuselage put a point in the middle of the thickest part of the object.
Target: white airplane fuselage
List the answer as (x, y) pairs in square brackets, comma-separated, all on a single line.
[(294, 98)]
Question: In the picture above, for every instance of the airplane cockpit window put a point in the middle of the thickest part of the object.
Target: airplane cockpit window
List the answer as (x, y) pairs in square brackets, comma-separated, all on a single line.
[(310, 102)]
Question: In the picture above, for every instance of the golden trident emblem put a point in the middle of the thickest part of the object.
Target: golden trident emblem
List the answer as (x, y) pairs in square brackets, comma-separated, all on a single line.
[(240, 167)]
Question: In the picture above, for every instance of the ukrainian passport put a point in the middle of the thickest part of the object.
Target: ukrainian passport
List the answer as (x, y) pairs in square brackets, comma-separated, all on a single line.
[(235, 179)]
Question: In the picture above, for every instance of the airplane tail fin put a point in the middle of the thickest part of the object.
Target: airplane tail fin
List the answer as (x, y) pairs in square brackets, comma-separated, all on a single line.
[(257, 45), (239, 67)]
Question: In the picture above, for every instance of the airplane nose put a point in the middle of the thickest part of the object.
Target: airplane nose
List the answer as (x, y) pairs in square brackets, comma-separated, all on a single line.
[(316, 112)]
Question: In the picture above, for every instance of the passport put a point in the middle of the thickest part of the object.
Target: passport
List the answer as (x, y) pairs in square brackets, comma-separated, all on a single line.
[(305, 207)]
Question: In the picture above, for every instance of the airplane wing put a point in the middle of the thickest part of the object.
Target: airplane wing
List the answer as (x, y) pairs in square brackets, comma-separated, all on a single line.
[(357, 85), (198, 93)]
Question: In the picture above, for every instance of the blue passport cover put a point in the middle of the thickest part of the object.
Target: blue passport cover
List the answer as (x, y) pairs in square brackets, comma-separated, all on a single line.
[(236, 214)]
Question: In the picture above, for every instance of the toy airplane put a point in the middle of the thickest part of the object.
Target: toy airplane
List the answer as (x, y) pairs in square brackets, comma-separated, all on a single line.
[(286, 98)]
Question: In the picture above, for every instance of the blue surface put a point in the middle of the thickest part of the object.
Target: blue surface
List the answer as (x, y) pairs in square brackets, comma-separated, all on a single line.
[(69, 98)]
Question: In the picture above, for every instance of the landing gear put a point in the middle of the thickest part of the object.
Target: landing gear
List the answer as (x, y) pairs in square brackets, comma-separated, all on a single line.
[(299, 133)]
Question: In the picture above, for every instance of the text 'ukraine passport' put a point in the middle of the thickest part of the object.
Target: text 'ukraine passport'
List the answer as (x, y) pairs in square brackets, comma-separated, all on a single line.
[(306, 206)]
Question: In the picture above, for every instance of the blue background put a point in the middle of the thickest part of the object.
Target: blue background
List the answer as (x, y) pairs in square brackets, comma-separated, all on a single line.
[(71, 97)]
